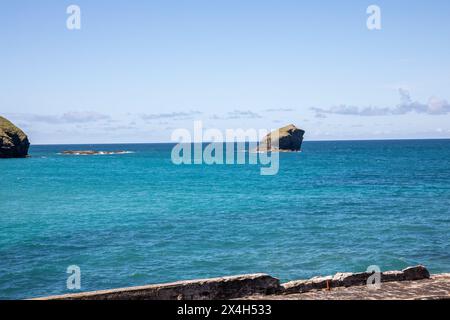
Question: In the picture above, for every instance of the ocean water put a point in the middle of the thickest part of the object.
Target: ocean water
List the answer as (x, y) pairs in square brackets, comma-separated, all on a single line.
[(135, 219)]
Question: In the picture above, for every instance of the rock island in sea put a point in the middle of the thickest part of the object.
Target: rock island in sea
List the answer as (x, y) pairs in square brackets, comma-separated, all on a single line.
[(286, 139)]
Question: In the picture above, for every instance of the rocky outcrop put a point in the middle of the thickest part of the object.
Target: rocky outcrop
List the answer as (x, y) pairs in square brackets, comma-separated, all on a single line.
[(288, 138), (353, 279), (13, 141)]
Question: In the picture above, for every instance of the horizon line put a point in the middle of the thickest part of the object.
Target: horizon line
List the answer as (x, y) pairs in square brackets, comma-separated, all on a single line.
[(172, 142)]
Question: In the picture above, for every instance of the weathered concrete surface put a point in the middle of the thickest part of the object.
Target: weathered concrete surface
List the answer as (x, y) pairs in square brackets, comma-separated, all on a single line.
[(205, 289), (435, 288)]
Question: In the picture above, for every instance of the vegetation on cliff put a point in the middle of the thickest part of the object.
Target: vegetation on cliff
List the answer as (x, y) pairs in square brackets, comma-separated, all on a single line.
[(13, 141)]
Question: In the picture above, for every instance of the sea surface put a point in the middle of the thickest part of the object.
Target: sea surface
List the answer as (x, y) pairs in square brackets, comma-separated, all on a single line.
[(136, 218)]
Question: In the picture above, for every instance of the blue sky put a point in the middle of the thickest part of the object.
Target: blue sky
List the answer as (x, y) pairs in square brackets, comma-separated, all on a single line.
[(137, 70)]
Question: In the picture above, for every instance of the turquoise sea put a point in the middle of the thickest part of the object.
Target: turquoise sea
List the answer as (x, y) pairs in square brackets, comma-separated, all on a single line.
[(135, 219)]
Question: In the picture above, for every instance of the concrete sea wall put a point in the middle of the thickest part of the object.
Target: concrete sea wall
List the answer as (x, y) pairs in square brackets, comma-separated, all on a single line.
[(235, 287)]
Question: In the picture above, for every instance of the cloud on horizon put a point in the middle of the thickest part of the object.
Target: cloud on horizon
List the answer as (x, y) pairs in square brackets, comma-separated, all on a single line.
[(66, 118), (434, 106), (279, 110), (237, 114), (171, 115)]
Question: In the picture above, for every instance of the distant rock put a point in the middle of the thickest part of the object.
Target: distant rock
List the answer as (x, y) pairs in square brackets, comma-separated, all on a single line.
[(290, 138), (13, 141)]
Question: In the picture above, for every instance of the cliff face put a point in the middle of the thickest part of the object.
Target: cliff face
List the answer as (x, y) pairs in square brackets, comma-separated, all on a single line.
[(290, 138), (13, 141)]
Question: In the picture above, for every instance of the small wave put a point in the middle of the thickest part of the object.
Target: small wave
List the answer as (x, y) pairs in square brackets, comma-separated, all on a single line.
[(93, 153)]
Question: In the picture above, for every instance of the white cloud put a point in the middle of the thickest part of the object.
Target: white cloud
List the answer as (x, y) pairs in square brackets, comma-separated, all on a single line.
[(434, 106), (171, 115), (279, 110), (66, 118), (237, 114)]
